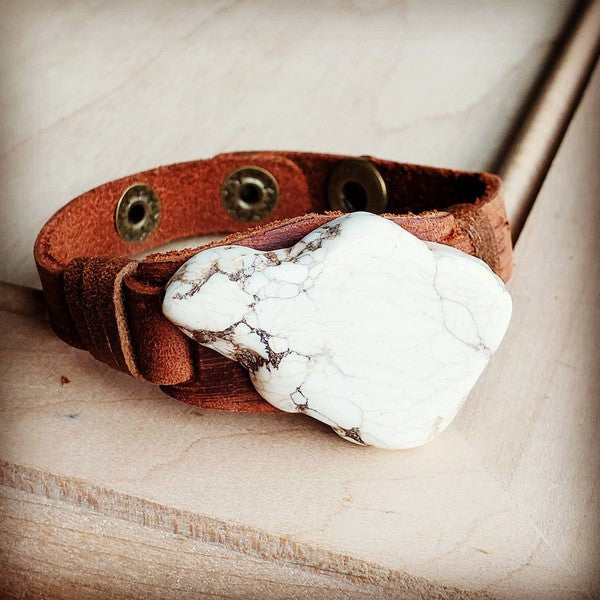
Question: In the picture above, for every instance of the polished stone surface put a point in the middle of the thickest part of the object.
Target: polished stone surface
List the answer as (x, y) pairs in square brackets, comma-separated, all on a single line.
[(360, 325)]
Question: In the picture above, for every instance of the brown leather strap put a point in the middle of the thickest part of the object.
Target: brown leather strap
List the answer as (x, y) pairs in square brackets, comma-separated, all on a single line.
[(101, 300)]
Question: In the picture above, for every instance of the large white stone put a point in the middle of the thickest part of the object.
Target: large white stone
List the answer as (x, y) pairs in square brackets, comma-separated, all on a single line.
[(360, 325)]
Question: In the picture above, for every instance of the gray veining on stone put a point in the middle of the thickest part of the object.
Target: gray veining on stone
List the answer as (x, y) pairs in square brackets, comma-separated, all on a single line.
[(360, 325)]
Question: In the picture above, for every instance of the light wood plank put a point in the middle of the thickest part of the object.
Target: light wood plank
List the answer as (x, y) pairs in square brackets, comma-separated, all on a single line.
[(504, 503), (433, 512), (92, 91), (534, 418), (55, 550), (524, 168), (279, 485)]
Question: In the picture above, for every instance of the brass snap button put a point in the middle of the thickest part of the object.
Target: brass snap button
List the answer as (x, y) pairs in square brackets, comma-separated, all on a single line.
[(137, 213), (356, 184), (249, 193)]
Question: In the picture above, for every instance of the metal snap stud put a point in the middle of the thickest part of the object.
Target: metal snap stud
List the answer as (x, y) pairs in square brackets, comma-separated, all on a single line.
[(249, 193), (137, 213), (356, 184)]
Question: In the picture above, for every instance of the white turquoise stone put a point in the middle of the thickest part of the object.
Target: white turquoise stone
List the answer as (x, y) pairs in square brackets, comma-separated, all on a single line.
[(360, 325)]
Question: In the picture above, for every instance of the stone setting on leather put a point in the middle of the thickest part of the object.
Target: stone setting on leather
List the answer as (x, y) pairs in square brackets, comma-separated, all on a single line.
[(360, 325)]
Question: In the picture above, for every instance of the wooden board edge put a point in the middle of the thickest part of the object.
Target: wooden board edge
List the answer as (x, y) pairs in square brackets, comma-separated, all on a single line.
[(233, 536)]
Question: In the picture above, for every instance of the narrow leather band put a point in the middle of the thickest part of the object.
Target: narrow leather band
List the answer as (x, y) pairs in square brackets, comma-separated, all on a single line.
[(101, 300)]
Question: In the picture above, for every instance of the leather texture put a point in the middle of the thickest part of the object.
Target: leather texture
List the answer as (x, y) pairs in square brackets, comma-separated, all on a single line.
[(102, 301)]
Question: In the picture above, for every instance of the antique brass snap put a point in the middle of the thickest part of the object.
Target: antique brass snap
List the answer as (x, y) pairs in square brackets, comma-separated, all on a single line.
[(356, 184), (249, 193), (137, 213)]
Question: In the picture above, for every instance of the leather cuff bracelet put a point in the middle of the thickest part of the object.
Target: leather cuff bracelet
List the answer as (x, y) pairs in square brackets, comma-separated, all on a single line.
[(357, 278)]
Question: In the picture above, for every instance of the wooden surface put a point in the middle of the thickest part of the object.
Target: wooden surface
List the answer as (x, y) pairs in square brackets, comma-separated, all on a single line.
[(503, 503), (532, 148), (46, 553), (541, 437), (111, 488), (92, 91)]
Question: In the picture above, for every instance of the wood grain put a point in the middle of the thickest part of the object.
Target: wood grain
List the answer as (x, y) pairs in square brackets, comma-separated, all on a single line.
[(503, 503), (539, 396), (258, 484), (526, 163), (53, 550), (92, 91), (118, 490)]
